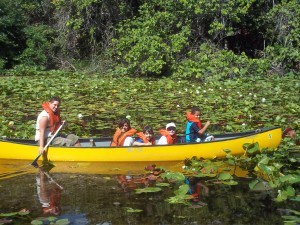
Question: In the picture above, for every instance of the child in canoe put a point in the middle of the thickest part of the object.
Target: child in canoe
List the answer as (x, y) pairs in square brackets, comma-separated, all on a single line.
[(123, 134), (168, 135), (194, 131), (145, 138)]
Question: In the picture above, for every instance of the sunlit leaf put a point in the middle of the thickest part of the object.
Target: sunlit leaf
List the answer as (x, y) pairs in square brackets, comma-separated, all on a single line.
[(131, 210), (182, 190), (147, 190), (231, 182), (266, 169), (162, 184), (290, 178), (177, 176)]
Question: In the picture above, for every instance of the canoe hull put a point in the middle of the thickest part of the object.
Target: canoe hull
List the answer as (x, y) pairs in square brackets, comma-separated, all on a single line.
[(268, 138)]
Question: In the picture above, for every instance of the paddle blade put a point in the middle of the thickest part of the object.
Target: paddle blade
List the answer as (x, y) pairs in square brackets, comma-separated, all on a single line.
[(34, 163)]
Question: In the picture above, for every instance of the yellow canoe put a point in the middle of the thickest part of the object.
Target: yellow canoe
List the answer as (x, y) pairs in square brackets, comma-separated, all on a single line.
[(28, 150)]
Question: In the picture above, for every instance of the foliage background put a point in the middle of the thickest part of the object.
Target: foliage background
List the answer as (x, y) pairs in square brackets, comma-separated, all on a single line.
[(185, 38), (151, 60)]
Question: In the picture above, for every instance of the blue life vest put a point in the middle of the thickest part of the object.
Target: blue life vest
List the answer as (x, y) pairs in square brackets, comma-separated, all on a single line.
[(188, 131)]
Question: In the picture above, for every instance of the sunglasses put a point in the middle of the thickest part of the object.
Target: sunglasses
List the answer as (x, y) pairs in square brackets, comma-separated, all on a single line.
[(171, 128)]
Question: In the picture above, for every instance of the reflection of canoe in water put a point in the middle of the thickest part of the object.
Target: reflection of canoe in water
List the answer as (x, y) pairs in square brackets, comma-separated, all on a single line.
[(11, 168), (28, 150)]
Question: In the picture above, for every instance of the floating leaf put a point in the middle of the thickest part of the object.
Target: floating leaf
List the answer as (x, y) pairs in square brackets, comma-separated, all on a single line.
[(147, 190), (251, 148), (253, 183), (131, 210), (182, 190), (9, 214), (266, 169), (224, 176), (51, 218), (177, 176), (162, 184), (231, 182), (36, 222), (62, 222), (290, 178)]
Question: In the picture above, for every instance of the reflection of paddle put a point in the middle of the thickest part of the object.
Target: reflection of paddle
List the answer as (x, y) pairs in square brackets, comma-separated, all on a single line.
[(50, 179), (34, 163)]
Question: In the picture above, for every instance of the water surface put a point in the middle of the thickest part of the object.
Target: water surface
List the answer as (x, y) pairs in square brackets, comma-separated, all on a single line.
[(84, 193)]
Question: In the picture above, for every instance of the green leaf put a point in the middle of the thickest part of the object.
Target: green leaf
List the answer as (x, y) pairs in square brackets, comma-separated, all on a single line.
[(177, 176), (147, 190), (253, 183), (36, 222), (266, 169), (131, 210), (62, 222), (231, 182), (9, 214), (224, 176), (290, 178), (162, 184), (182, 190)]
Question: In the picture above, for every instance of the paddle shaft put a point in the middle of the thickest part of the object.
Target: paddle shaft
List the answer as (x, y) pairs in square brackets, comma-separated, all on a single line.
[(51, 179), (46, 146)]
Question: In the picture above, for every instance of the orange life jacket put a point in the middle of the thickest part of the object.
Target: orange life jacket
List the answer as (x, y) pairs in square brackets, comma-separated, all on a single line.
[(192, 118), (55, 120), (119, 137), (142, 136), (170, 139)]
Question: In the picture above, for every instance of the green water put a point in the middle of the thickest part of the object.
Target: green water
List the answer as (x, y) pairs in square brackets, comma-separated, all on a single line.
[(99, 199)]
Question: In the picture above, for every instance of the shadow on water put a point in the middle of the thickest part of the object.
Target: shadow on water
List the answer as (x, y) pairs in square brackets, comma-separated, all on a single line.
[(85, 198)]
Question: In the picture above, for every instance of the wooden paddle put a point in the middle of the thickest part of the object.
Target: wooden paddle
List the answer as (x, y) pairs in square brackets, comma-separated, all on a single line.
[(34, 163)]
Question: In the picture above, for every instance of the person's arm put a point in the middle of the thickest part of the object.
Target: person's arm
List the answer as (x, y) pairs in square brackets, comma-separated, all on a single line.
[(202, 131), (42, 129), (140, 143)]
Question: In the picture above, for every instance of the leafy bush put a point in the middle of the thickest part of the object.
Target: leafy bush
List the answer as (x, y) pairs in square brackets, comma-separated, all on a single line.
[(149, 43), (38, 46), (210, 62)]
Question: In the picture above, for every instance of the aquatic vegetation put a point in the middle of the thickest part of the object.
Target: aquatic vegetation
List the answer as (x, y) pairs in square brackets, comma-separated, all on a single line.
[(24, 215), (93, 104)]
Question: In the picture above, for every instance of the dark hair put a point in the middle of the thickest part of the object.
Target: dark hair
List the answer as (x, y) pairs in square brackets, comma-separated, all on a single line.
[(195, 109), (148, 129), (123, 121), (55, 98)]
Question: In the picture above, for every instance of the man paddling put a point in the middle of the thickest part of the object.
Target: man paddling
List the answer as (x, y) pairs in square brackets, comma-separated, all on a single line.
[(47, 123)]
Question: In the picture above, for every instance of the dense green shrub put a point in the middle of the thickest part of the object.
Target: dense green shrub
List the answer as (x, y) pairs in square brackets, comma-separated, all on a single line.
[(210, 62), (152, 38), (11, 34), (39, 45)]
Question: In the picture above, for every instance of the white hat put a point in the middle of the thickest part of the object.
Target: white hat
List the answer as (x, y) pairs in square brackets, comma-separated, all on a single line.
[(170, 125)]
